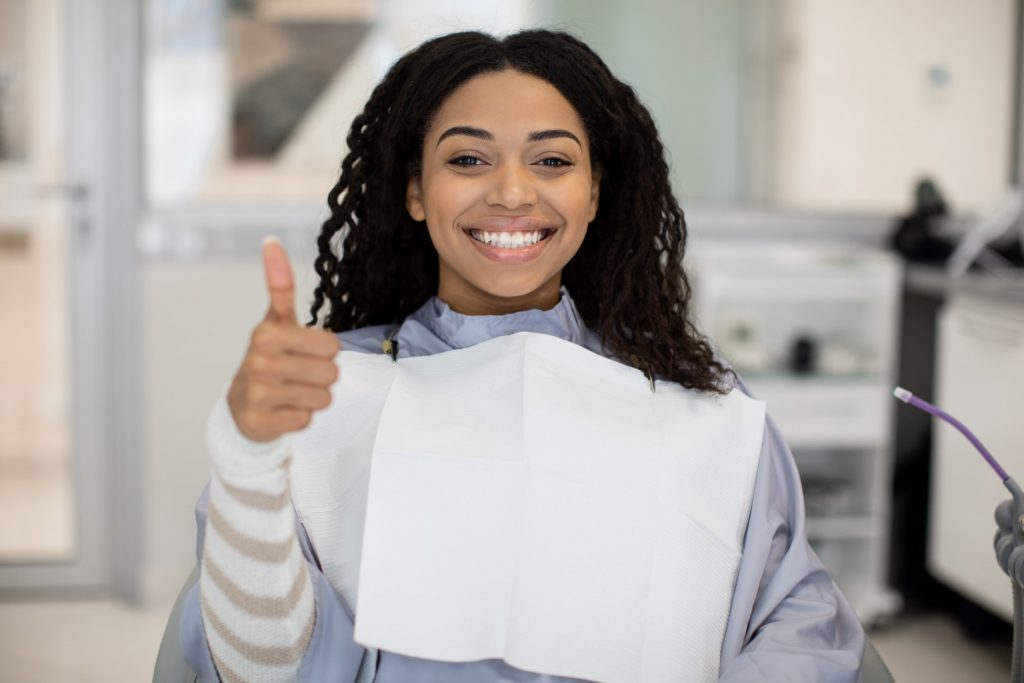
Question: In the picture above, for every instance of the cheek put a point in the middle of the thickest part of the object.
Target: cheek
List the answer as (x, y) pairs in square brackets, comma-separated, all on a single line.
[(445, 206), (574, 203), (445, 202)]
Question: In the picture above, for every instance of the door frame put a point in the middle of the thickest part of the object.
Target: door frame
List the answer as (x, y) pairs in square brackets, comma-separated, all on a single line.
[(101, 59)]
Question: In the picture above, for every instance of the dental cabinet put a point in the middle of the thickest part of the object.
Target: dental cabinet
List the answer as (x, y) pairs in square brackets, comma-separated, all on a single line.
[(812, 330), (979, 378)]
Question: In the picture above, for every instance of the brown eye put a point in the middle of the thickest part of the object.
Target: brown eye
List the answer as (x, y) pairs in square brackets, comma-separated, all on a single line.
[(466, 160), (554, 162)]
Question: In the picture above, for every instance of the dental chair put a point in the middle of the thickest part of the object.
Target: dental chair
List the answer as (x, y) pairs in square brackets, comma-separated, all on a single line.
[(171, 666), (170, 663)]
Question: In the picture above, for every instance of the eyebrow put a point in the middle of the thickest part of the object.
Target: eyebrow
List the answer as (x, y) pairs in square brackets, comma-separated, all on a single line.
[(482, 134), (537, 135)]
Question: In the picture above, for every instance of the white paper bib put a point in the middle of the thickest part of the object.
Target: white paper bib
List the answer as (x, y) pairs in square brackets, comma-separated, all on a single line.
[(532, 501)]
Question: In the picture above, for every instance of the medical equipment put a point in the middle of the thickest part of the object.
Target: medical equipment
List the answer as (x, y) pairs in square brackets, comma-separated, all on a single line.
[(757, 299), (974, 244), (1009, 539)]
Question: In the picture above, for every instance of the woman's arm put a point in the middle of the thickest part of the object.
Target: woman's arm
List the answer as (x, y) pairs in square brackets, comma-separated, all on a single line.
[(788, 621), (262, 609)]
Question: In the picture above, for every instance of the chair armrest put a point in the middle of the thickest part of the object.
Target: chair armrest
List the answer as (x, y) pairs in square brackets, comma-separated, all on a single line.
[(874, 669), (170, 664)]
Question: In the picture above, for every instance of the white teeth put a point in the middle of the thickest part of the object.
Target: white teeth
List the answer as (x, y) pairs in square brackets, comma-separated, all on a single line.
[(507, 240)]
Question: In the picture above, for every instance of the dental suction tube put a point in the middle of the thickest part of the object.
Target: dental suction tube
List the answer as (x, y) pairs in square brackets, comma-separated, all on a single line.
[(1009, 539), (907, 397)]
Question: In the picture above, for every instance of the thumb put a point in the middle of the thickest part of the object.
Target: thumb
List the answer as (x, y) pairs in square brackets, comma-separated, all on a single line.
[(280, 282)]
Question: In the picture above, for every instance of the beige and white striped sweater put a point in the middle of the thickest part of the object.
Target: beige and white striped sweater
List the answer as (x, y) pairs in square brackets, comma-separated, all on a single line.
[(257, 597)]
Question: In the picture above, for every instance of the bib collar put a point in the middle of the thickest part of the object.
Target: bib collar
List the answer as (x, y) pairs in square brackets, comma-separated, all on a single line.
[(435, 327)]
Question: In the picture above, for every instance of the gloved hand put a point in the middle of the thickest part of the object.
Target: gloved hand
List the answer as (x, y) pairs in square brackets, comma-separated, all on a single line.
[(1009, 542)]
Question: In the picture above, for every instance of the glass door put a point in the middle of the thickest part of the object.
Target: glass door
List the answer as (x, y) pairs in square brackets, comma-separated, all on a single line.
[(37, 494), (62, 472)]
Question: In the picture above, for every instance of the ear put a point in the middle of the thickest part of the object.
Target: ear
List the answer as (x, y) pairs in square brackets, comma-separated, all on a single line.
[(414, 199), (595, 191)]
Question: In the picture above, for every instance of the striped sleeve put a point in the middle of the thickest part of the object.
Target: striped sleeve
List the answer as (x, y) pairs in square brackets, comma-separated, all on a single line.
[(256, 595)]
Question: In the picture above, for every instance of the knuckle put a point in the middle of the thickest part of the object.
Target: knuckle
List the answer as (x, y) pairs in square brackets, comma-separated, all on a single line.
[(259, 330), (260, 335), (326, 373), (327, 342), (258, 339), (260, 363)]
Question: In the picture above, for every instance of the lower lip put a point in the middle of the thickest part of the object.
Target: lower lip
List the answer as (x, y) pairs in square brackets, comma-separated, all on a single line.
[(515, 255)]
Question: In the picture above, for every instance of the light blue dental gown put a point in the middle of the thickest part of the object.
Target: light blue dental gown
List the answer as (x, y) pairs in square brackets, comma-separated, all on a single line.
[(787, 622)]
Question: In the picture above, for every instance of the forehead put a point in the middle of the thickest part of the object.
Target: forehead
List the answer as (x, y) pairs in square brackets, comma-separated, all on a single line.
[(507, 103)]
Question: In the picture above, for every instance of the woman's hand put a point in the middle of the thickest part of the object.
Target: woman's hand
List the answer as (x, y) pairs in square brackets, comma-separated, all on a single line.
[(288, 369)]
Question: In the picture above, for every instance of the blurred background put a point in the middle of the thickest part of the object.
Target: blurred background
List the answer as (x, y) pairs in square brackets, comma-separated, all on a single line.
[(851, 175)]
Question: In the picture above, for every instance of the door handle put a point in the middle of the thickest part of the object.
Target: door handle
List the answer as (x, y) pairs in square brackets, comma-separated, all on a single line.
[(76, 195)]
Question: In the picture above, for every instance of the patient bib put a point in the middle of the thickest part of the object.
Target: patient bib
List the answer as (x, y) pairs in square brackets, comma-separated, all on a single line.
[(528, 500)]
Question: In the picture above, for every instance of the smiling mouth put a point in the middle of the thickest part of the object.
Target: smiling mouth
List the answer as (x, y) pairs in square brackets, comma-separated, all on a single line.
[(510, 239)]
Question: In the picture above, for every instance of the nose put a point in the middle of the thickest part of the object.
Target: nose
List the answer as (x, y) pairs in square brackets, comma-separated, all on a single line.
[(512, 187)]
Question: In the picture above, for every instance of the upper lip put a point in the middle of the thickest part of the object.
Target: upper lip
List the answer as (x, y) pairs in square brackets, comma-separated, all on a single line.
[(509, 224)]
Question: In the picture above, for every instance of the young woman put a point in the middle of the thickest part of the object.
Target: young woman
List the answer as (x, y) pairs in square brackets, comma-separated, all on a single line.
[(495, 187)]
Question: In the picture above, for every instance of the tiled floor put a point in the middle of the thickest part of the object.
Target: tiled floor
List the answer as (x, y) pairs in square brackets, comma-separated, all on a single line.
[(933, 649), (78, 642), (97, 642)]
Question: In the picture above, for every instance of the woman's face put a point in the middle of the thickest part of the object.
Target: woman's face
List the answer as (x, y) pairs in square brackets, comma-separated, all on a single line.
[(507, 192)]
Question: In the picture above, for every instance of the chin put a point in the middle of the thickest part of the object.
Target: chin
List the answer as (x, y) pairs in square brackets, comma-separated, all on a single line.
[(514, 289)]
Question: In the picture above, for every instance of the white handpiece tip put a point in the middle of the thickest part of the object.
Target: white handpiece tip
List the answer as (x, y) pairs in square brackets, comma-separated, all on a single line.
[(902, 394)]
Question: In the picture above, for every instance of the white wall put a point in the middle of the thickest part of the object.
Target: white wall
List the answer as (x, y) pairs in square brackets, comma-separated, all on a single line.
[(197, 318), (816, 104), (687, 63), (858, 119)]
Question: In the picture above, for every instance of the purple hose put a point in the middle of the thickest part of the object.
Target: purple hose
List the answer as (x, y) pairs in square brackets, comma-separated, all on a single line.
[(907, 397)]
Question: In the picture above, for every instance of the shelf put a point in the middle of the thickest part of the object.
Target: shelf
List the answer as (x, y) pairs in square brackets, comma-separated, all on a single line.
[(812, 380), (832, 313), (824, 413)]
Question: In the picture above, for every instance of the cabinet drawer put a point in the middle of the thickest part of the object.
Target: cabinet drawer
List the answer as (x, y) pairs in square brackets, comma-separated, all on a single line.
[(821, 413)]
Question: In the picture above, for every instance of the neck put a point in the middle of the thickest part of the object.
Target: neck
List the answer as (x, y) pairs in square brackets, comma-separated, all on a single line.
[(475, 301)]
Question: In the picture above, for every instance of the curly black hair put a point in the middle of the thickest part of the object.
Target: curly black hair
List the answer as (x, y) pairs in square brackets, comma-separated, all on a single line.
[(377, 265)]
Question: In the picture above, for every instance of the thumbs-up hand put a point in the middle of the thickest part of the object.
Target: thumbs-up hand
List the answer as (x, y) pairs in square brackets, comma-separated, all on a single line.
[(280, 283), (288, 369)]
